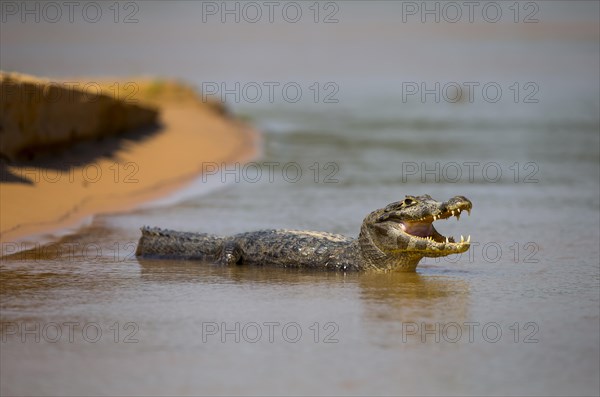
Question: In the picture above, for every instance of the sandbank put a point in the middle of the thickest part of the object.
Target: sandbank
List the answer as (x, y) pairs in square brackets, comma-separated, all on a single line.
[(138, 168)]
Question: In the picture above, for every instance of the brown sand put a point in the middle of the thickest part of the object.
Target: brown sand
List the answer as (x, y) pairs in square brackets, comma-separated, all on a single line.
[(191, 133)]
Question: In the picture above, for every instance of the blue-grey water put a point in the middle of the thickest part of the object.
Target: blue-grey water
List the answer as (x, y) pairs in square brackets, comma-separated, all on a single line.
[(516, 315)]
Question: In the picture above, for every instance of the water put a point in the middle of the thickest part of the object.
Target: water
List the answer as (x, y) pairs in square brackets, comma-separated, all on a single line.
[(518, 314)]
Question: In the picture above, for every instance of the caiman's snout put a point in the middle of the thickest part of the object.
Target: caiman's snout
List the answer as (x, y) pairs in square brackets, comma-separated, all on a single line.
[(453, 207), (459, 202)]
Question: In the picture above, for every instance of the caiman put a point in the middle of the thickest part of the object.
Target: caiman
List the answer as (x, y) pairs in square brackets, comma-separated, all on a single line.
[(394, 238)]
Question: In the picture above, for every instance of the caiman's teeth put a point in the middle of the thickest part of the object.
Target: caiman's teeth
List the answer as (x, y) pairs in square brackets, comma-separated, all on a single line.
[(447, 240), (434, 218), (469, 211), (452, 212), (462, 239), (469, 239)]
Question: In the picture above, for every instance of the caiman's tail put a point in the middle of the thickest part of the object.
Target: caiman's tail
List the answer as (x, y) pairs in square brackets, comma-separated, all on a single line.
[(162, 243)]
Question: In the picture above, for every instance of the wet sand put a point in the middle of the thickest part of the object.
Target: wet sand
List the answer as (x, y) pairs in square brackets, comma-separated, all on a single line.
[(119, 173)]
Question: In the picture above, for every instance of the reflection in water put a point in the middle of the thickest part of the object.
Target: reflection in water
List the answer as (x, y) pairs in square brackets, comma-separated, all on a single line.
[(195, 271), (412, 296), (401, 308), (389, 299)]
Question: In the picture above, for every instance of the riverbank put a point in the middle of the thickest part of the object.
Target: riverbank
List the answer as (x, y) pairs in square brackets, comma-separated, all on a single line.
[(118, 173)]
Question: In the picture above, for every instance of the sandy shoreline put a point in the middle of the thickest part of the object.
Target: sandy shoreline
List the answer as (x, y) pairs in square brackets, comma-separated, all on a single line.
[(146, 167)]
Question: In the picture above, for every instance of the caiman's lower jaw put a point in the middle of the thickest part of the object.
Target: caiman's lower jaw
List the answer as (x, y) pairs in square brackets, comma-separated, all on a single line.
[(423, 229)]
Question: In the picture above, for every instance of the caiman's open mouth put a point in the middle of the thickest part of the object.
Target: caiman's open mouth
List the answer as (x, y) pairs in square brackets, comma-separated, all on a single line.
[(423, 228)]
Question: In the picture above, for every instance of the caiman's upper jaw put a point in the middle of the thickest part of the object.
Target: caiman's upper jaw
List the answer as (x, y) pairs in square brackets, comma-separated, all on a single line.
[(446, 211)]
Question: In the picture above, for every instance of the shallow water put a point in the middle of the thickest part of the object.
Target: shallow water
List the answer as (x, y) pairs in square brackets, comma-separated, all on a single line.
[(518, 314)]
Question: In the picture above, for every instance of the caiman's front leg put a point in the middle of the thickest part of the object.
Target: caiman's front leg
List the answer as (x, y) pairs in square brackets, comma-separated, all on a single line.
[(231, 254)]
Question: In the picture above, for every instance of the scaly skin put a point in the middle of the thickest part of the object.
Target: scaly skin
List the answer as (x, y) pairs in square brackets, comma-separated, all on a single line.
[(394, 238)]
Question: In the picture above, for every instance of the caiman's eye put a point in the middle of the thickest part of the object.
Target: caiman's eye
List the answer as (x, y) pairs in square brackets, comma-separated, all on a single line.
[(409, 201)]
